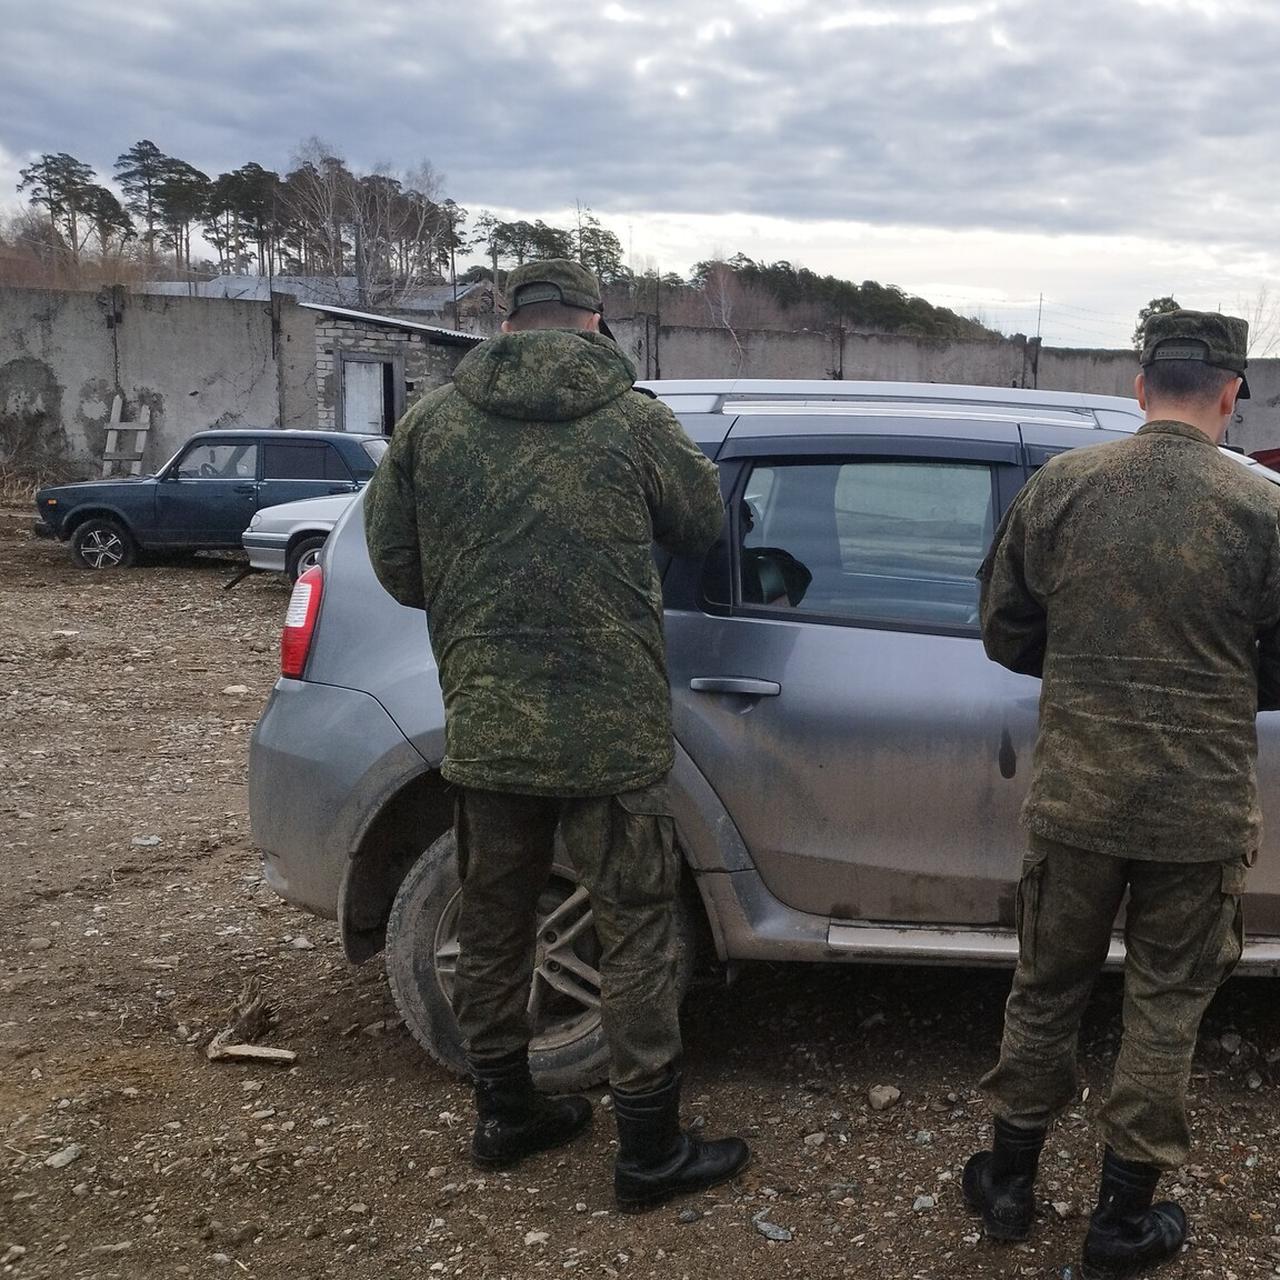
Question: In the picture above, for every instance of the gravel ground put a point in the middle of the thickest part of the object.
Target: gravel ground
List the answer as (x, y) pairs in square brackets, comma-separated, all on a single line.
[(134, 911)]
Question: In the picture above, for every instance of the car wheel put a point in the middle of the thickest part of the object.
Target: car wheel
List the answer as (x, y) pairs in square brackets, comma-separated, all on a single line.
[(569, 1050), (103, 544), (304, 555)]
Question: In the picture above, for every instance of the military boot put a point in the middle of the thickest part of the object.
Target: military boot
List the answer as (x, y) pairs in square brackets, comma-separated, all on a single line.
[(514, 1120), (1127, 1233), (1000, 1183), (657, 1161)]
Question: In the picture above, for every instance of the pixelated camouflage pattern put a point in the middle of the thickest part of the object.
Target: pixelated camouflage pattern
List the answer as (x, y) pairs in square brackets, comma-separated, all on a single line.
[(570, 283), (623, 849), (1183, 937), (518, 506), (1141, 580), (1225, 338)]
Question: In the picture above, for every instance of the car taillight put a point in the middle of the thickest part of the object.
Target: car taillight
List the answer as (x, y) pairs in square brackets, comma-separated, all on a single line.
[(300, 622)]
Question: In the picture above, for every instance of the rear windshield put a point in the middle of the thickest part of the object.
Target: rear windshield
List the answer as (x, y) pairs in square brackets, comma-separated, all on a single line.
[(375, 449)]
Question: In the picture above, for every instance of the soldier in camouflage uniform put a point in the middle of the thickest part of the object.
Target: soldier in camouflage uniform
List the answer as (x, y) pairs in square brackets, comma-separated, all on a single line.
[(518, 506), (1140, 580)]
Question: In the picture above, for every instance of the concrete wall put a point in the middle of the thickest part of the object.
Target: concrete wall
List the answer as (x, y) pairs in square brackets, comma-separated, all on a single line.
[(208, 362), (195, 362), (679, 352), (296, 360)]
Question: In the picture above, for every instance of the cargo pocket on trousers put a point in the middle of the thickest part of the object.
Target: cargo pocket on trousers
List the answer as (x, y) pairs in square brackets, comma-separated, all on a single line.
[(1027, 915), (1225, 942), (650, 840)]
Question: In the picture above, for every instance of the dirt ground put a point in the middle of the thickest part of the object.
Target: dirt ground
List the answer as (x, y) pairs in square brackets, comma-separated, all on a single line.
[(134, 910)]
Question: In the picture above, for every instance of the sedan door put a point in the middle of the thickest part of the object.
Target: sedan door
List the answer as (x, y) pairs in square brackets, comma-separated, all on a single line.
[(829, 680), (208, 494)]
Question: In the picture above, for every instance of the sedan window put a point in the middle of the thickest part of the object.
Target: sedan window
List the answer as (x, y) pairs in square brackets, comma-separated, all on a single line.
[(219, 461), (886, 542), (375, 449)]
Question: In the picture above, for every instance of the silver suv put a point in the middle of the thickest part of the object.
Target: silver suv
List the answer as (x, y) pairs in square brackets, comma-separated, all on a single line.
[(849, 765)]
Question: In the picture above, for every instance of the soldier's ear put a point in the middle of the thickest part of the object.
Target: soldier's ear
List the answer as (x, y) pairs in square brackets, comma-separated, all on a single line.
[(1140, 391), (1227, 403), (505, 327)]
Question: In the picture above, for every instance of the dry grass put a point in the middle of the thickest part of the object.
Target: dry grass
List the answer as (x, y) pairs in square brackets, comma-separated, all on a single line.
[(32, 455)]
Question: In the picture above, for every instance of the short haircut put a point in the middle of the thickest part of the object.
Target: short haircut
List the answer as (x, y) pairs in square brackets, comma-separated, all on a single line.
[(549, 315), (1186, 380)]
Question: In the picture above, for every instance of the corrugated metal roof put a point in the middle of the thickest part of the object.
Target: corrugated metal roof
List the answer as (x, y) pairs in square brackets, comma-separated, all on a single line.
[(338, 291), (394, 322)]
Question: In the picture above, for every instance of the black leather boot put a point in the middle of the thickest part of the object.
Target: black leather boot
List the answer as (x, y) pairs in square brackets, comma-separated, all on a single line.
[(1000, 1183), (657, 1161), (514, 1119), (1127, 1233)]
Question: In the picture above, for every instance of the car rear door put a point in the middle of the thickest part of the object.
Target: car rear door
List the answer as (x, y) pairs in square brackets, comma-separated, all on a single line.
[(828, 677), (295, 469)]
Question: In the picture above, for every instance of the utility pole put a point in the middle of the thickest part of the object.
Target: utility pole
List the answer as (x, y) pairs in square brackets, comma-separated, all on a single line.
[(657, 325)]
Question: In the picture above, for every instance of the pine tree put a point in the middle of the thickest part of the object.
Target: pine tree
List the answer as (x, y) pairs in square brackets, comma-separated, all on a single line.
[(140, 171)]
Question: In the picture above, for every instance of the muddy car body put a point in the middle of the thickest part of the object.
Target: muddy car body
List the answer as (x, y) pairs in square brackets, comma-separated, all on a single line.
[(849, 764)]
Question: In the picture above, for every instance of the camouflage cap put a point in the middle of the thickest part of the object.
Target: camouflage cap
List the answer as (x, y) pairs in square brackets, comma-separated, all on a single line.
[(1219, 340), (553, 280)]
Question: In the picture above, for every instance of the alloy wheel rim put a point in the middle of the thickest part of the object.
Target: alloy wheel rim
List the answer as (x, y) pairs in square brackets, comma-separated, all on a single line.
[(564, 996), (103, 549)]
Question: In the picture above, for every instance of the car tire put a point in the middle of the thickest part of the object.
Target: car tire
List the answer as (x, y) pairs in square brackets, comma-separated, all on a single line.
[(303, 555), (103, 544), (569, 1050)]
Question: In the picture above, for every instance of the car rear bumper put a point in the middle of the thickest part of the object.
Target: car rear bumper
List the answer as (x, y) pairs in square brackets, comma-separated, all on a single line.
[(322, 763), (268, 551)]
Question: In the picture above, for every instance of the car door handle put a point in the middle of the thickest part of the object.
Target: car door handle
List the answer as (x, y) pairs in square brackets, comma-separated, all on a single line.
[(246, 488), (736, 684)]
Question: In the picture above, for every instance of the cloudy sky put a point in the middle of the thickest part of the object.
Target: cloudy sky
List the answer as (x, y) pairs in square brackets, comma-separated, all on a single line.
[(980, 153)]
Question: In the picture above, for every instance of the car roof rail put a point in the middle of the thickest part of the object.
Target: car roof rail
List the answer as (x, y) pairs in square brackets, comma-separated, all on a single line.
[(719, 395)]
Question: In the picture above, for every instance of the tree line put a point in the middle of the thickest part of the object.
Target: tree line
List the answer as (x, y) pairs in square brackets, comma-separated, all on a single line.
[(394, 231), (390, 230)]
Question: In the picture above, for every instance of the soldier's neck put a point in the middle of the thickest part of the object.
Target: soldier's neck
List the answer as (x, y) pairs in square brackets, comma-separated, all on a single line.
[(1173, 411)]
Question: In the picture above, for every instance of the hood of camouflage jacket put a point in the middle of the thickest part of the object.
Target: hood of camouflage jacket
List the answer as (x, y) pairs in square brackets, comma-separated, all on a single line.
[(544, 375)]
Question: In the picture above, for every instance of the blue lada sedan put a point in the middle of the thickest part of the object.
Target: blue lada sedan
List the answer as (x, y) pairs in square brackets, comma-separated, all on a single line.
[(205, 496)]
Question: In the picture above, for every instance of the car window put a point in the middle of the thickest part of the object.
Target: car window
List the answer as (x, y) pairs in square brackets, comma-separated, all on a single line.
[(296, 460), (376, 449), (219, 461), (335, 467), (879, 541)]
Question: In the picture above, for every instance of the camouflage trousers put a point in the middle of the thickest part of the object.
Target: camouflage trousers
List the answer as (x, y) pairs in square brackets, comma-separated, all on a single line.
[(1183, 936), (623, 850)]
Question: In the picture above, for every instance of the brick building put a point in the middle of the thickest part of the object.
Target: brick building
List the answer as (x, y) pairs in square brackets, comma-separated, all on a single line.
[(371, 368)]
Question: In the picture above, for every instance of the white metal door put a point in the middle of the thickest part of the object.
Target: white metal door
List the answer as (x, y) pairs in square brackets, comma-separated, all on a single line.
[(362, 404)]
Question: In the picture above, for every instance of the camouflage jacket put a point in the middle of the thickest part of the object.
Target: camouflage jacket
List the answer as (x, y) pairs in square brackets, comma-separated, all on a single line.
[(1141, 580), (518, 506)]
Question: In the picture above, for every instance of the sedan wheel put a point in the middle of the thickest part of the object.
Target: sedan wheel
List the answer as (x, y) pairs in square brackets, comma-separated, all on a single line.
[(304, 555), (102, 544)]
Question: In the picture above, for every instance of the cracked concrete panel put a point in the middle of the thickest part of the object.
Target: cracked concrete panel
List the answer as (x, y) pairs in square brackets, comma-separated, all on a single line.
[(31, 431), (198, 363)]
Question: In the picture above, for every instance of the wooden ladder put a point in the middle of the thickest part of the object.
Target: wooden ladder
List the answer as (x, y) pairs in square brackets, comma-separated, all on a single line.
[(138, 446)]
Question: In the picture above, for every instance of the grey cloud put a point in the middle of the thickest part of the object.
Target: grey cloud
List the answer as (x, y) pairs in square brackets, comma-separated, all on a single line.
[(1090, 117)]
